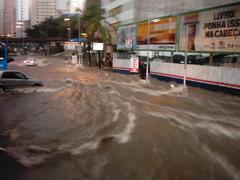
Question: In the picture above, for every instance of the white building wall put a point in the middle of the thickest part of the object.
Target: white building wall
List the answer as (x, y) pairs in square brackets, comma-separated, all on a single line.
[(23, 10)]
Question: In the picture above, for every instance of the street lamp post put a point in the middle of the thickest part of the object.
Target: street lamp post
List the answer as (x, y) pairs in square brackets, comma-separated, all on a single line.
[(68, 29), (20, 25), (79, 36), (185, 61), (148, 46)]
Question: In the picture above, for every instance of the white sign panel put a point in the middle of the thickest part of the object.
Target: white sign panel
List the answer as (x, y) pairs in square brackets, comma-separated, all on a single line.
[(70, 45), (215, 30), (97, 46), (134, 64)]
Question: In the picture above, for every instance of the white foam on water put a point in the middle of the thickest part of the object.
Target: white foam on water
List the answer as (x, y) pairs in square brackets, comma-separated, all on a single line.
[(214, 128), (116, 113), (204, 118), (124, 136), (114, 92), (37, 90), (41, 62), (139, 87), (29, 161), (29, 156), (229, 168), (219, 129), (85, 147), (170, 92)]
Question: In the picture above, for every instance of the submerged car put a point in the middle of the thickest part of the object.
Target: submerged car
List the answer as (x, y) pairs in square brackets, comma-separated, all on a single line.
[(30, 62), (13, 79)]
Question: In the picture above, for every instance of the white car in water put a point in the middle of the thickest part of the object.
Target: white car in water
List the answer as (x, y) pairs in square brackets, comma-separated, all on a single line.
[(30, 62)]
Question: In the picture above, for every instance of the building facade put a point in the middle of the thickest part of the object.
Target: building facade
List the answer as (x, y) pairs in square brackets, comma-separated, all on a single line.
[(22, 17), (9, 18), (69, 6), (119, 12), (43, 9), (92, 2), (2, 2)]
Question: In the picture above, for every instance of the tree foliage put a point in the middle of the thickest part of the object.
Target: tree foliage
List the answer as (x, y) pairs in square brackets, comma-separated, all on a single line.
[(48, 28), (96, 26), (92, 23)]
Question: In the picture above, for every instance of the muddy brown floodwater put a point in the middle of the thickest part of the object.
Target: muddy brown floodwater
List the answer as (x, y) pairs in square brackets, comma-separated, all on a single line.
[(95, 124)]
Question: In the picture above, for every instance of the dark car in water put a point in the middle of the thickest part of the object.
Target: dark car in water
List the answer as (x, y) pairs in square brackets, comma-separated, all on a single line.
[(13, 79)]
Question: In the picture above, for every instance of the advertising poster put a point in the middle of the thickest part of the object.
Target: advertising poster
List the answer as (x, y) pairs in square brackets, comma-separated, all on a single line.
[(126, 37), (215, 30), (162, 34)]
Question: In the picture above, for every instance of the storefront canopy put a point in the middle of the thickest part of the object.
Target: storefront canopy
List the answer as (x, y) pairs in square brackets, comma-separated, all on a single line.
[(78, 40)]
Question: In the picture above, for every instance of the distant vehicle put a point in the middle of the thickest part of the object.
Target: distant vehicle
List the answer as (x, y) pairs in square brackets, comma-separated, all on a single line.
[(30, 62), (3, 56), (13, 79)]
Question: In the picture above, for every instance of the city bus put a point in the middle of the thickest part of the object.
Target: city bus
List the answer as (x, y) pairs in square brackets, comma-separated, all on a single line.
[(3, 56)]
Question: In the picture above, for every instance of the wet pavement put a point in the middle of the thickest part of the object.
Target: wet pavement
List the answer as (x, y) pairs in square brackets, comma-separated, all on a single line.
[(87, 123)]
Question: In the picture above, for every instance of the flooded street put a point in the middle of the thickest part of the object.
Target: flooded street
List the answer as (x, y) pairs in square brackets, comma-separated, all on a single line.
[(94, 124)]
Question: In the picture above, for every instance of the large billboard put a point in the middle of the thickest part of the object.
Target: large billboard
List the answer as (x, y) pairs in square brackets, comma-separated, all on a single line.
[(126, 37), (162, 33), (216, 30)]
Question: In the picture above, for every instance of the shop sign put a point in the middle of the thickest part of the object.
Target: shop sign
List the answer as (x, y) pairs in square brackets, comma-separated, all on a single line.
[(215, 30), (162, 33), (134, 64)]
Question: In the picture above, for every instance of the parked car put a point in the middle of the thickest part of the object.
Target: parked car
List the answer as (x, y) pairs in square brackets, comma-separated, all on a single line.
[(30, 62), (191, 59), (13, 79)]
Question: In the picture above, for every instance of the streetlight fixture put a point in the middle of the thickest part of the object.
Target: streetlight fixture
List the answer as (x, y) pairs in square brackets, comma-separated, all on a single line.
[(148, 44), (68, 29), (79, 35)]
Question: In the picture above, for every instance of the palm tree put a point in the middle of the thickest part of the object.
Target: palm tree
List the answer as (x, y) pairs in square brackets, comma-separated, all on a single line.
[(97, 29)]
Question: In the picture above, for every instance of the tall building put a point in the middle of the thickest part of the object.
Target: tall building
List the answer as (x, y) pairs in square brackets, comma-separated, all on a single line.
[(69, 6), (92, 2), (22, 17), (76, 4), (23, 10), (63, 6), (43, 9), (2, 8), (9, 25)]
